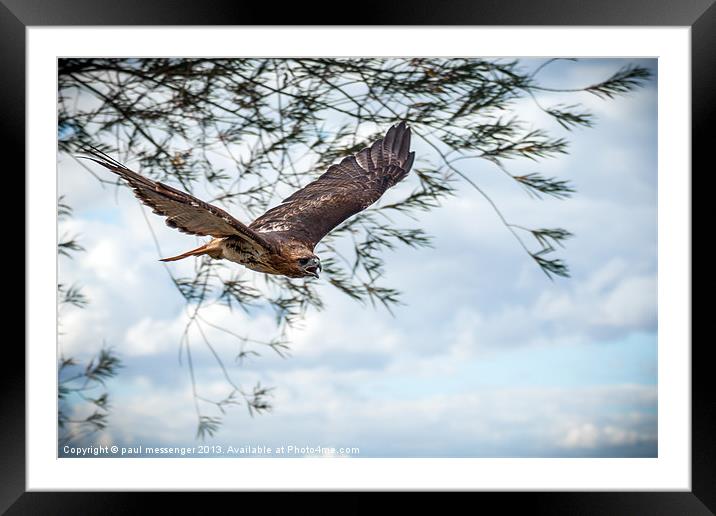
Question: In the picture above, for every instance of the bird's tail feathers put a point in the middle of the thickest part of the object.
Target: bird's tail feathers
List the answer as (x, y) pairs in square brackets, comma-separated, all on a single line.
[(204, 249)]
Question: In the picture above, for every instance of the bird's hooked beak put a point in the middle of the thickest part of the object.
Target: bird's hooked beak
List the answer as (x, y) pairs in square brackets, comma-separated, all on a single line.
[(313, 267)]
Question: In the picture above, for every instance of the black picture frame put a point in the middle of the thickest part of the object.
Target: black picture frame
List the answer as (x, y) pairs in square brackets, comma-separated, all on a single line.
[(699, 15)]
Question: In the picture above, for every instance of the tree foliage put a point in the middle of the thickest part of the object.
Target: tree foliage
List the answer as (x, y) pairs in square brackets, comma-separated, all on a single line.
[(82, 411), (245, 133)]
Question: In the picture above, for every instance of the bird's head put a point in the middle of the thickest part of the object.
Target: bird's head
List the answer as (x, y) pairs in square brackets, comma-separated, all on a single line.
[(296, 259), (309, 265)]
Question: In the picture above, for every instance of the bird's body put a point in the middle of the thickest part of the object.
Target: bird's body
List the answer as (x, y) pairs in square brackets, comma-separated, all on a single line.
[(256, 258), (282, 240), (235, 250)]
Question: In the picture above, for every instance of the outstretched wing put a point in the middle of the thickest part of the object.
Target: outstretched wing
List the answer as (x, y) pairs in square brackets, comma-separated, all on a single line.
[(344, 190), (183, 211)]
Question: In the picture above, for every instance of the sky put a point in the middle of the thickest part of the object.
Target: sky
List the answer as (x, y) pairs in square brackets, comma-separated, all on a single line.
[(486, 357)]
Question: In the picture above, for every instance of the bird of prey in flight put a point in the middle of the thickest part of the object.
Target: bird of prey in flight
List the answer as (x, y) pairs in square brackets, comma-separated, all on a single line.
[(281, 241)]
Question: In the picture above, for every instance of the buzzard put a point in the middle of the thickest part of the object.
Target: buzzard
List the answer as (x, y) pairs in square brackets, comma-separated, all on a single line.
[(281, 241)]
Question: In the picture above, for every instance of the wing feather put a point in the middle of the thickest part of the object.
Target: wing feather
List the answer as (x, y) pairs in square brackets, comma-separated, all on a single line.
[(343, 190), (182, 210)]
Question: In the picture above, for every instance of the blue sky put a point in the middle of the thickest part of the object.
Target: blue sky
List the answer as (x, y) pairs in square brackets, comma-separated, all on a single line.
[(486, 358)]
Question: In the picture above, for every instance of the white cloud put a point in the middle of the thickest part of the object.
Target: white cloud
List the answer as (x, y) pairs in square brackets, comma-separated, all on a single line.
[(583, 436), (149, 336), (609, 302), (314, 408), (589, 435)]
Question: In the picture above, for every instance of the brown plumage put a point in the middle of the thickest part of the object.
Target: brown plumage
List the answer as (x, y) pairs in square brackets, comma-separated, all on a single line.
[(281, 241)]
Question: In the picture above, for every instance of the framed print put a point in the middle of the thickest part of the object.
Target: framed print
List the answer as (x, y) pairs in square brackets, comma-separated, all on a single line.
[(488, 289)]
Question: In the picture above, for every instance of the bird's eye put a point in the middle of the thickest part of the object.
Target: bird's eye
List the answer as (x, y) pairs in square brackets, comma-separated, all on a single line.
[(304, 261)]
